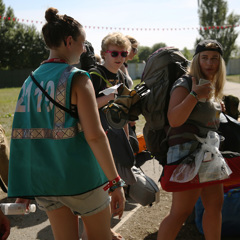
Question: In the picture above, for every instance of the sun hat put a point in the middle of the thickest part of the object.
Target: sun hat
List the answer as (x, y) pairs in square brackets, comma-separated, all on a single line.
[(209, 45)]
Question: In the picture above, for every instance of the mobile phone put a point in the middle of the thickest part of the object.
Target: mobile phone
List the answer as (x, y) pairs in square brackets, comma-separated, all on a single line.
[(203, 81)]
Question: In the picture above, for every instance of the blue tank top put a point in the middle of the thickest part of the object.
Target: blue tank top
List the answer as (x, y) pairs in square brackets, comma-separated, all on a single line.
[(49, 155)]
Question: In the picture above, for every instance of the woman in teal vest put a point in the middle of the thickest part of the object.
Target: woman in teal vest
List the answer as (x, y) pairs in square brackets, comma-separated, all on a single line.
[(59, 152)]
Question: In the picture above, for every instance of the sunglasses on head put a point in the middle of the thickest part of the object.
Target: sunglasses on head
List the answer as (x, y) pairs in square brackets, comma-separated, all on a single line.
[(135, 50), (116, 53)]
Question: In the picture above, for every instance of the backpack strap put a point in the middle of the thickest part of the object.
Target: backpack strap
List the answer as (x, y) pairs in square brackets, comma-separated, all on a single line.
[(51, 99), (189, 80), (123, 77), (100, 73), (104, 79)]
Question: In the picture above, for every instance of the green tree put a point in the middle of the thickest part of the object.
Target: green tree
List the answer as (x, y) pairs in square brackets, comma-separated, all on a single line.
[(7, 36), (235, 53), (156, 46), (187, 54), (21, 46), (143, 53), (135, 59), (217, 25)]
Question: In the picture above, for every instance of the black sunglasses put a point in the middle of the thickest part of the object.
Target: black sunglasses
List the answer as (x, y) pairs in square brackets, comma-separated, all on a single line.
[(116, 53)]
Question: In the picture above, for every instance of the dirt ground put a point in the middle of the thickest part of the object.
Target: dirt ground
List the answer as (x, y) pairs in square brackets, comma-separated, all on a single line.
[(141, 224), (144, 224)]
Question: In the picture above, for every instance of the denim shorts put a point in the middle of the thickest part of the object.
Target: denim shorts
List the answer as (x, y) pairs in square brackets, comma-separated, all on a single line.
[(86, 204)]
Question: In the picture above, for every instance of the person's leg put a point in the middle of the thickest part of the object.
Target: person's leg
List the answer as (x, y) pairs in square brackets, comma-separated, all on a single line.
[(182, 206), (97, 226), (64, 224), (212, 199), (114, 235)]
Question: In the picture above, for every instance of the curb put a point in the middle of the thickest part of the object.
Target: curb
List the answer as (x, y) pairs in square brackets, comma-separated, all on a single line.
[(116, 227)]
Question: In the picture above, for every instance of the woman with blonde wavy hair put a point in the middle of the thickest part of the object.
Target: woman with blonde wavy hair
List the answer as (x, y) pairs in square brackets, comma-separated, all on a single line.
[(196, 100), (218, 79)]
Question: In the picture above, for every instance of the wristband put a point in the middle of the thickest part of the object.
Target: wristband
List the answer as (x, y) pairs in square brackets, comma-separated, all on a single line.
[(194, 94), (112, 183), (121, 183)]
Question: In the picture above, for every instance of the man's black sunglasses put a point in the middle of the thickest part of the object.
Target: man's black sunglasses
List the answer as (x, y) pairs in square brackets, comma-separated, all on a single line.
[(116, 53)]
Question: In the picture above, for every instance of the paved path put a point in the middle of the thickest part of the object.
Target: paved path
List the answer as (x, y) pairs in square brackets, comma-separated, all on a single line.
[(36, 225), (232, 88)]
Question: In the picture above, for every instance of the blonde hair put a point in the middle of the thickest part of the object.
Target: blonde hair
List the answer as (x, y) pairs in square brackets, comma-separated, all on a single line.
[(133, 41), (219, 78), (117, 39), (98, 58)]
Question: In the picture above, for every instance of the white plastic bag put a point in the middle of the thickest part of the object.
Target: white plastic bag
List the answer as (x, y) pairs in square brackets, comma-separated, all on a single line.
[(208, 163)]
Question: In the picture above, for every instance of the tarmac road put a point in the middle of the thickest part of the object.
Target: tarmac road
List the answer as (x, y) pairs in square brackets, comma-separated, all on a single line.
[(232, 88), (37, 226)]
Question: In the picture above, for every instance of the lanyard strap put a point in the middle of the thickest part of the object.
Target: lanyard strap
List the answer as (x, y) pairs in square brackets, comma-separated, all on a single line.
[(54, 60)]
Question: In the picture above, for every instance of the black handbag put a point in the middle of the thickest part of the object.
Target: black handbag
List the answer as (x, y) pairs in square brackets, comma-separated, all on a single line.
[(230, 129)]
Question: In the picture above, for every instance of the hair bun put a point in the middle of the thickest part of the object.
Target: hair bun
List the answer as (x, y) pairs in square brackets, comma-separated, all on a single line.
[(51, 14)]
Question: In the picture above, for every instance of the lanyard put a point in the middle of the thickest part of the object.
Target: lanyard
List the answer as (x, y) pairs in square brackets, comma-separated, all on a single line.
[(54, 60)]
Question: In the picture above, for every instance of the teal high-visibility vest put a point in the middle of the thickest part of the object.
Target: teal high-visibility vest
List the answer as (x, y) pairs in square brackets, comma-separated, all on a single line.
[(49, 155)]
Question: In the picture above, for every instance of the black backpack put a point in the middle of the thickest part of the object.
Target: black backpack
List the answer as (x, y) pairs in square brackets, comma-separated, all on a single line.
[(87, 59), (162, 69)]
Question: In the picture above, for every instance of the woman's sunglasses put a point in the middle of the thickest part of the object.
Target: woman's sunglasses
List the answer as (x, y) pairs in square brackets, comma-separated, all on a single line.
[(116, 53)]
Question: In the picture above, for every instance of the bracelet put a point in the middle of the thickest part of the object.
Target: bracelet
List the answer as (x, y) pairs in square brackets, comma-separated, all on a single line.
[(121, 183), (194, 94), (112, 183)]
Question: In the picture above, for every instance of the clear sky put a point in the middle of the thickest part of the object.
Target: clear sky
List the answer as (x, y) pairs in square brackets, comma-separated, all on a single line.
[(178, 18)]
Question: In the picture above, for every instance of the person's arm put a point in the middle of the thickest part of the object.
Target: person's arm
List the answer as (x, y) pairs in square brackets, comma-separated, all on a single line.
[(182, 102), (126, 130), (4, 226), (101, 100), (83, 96)]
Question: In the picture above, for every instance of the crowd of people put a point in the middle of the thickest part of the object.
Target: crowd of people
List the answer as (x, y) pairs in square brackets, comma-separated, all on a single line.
[(66, 162)]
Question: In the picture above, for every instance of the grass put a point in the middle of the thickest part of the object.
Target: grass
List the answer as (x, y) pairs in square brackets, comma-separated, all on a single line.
[(9, 96), (8, 100), (234, 78)]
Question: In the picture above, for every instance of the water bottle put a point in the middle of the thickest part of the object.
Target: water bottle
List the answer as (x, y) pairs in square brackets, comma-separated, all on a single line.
[(17, 208)]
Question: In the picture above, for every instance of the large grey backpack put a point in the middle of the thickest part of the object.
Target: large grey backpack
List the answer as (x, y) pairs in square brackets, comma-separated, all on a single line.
[(162, 69)]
